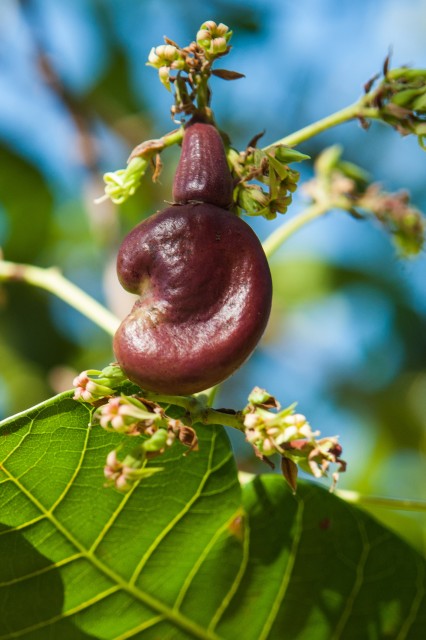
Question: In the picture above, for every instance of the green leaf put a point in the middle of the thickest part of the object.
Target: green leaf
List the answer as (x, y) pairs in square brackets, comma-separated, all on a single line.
[(122, 560), (184, 554), (320, 569)]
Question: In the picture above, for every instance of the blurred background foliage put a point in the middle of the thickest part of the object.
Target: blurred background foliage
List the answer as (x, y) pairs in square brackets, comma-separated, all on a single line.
[(347, 337)]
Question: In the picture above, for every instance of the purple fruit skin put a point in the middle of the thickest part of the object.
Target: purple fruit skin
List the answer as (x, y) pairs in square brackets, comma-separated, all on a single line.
[(205, 297), (202, 174)]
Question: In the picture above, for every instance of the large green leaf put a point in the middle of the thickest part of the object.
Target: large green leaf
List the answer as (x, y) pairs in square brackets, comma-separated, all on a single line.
[(186, 554)]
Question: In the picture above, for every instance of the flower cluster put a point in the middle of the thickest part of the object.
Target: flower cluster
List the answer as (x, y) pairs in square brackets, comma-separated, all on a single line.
[(288, 434), (395, 212), (165, 58), (400, 99), (192, 67), (121, 184), (213, 38), (123, 475), (269, 429), (93, 385), (194, 60), (269, 168), (187, 70), (346, 185), (128, 415), (134, 416), (211, 42)]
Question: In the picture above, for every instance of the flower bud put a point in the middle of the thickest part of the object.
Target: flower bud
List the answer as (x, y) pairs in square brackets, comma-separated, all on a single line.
[(218, 45), (164, 75), (157, 442), (252, 199), (223, 30), (124, 475), (251, 420), (127, 415), (209, 25), (91, 386), (203, 38), (169, 52), (153, 57), (162, 55), (164, 58), (261, 397)]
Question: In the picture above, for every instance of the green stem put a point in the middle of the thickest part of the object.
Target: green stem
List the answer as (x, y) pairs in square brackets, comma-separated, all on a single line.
[(149, 148), (211, 394), (356, 110), (186, 402), (357, 498), (379, 501), (282, 233), (197, 409), (212, 416), (53, 281), (203, 94)]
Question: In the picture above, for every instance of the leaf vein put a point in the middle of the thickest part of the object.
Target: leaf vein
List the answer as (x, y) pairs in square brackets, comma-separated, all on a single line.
[(193, 572), (64, 614), (161, 536), (237, 580), (43, 570), (359, 578), (415, 605), (148, 624), (276, 605)]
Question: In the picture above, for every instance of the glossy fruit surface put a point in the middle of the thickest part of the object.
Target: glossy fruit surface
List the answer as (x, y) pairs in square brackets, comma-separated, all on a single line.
[(205, 291)]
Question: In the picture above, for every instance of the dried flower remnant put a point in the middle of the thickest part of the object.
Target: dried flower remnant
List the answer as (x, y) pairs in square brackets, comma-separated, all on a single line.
[(185, 434), (315, 457)]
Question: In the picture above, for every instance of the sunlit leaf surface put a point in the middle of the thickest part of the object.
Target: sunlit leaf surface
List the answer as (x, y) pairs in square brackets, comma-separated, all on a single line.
[(186, 554)]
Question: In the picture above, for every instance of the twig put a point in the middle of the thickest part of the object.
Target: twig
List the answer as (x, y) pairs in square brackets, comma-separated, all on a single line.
[(398, 504), (353, 111), (282, 233), (53, 281), (401, 504)]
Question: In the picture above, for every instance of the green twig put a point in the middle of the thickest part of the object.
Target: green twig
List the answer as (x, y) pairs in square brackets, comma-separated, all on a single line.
[(399, 504), (282, 233), (356, 110), (53, 281), (198, 410)]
